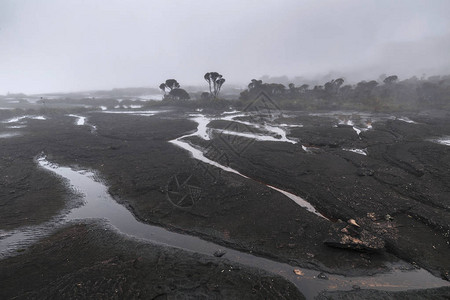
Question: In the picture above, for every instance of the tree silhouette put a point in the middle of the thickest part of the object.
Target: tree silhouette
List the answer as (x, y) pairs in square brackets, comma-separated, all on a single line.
[(255, 84), (179, 94), (175, 93), (215, 81), (390, 79), (208, 79), (163, 87), (172, 84)]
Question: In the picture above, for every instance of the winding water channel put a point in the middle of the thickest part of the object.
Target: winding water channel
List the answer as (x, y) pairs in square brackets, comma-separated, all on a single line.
[(203, 132), (98, 204)]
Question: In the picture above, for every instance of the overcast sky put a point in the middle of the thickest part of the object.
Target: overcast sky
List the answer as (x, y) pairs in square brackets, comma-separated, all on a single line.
[(71, 45)]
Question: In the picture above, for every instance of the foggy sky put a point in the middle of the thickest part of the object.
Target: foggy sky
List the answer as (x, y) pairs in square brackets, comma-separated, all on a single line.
[(68, 45)]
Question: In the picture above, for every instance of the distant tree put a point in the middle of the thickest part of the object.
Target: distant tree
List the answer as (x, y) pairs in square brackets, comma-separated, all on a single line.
[(215, 82), (163, 87), (275, 88), (208, 79), (390, 79), (293, 91), (255, 84), (219, 84), (345, 91), (175, 92), (179, 94), (172, 84), (338, 82), (303, 88), (333, 86), (205, 96), (363, 92)]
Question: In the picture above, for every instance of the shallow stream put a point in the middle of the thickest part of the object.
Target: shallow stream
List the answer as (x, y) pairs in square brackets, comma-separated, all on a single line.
[(100, 205)]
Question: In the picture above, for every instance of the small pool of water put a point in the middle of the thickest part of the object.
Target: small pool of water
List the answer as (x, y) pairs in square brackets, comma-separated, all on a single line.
[(358, 151), (17, 119), (80, 120), (98, 204), (8, 135), (443, 141)]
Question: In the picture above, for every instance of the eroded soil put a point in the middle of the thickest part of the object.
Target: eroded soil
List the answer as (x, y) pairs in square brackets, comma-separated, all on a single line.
[(400, 192)]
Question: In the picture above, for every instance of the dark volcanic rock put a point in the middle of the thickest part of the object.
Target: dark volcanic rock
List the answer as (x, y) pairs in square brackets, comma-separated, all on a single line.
[(365, 172), (354, 238), (219, 253)]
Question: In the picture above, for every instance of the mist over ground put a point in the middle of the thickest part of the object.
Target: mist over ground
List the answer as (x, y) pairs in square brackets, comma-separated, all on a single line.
[(63, 46)]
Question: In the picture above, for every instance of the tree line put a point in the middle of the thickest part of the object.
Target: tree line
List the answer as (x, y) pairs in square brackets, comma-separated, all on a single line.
[(172, 91), (387, 93)]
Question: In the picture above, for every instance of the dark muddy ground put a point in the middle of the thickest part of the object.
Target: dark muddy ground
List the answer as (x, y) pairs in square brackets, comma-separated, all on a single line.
[(86, 261), (399, 192)]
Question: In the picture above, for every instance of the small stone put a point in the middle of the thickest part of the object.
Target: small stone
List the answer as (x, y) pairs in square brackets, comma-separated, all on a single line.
[(219, 253), (353, 222), (322, 276), (298, 272), (372, 216), (388, 217)]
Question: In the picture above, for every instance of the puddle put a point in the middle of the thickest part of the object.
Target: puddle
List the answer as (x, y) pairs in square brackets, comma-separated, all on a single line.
[(346, 122), (99, 204), (307, 149), (8, 135), (291, 125), (407, 120), (357, 130), (358, 151), (80, 120), (443, 141), (230, 112), (16, 126), (17, 119), (145, 113), (276, 134), (256, 137)]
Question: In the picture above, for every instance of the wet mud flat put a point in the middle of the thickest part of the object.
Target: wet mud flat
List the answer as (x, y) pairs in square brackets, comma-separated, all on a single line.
[(87, 261), (398, 191)]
